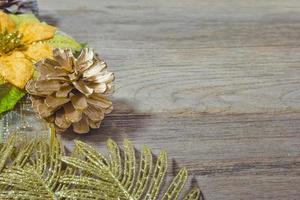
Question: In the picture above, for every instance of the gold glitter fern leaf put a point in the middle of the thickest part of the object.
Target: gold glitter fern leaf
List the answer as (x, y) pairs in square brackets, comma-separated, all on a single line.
[(33, 172), (40, 170), (117, 177)]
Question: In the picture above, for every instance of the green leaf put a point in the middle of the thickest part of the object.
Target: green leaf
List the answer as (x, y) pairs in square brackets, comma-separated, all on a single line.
[(9, 96), (61, 40), (18, 19)]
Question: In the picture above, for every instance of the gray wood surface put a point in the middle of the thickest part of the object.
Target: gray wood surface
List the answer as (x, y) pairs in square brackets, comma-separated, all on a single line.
[(215, 83)]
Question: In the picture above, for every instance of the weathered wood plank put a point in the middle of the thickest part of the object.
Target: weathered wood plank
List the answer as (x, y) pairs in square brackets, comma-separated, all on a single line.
[(213, 82), (185, 61), (245, 156)]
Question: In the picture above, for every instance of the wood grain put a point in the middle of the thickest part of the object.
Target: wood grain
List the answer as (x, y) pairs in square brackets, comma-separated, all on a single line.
[(216, 83)]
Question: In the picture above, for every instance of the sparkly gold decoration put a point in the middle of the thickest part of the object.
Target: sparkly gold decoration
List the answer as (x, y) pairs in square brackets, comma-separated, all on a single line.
[(40, 170), (72, 91), (9, 42)]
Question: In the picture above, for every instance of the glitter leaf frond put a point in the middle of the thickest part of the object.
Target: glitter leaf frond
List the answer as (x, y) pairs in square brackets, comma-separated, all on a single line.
[(40, 170), (32, 167)]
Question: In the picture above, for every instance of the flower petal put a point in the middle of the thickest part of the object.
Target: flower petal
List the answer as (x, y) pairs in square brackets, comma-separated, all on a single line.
[(39, 51), (16, 69), (6, 23), (35, 31)]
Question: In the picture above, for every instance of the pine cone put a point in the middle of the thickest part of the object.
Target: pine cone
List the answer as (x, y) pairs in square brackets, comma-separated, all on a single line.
[(72, 91), (19, 6)]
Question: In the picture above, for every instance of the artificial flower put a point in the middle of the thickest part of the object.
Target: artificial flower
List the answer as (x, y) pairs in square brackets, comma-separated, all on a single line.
[(21, 46)]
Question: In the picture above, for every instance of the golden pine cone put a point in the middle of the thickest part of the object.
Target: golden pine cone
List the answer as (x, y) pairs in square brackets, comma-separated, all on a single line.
[(72, 91)]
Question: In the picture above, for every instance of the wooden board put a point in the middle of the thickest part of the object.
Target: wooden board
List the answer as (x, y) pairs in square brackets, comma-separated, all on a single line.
[(215, 83)]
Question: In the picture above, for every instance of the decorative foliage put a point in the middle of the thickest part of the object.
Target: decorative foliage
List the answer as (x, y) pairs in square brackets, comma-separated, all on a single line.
[(9, 95), (39, 170), (63, 41), (72, 91), (33, 173)]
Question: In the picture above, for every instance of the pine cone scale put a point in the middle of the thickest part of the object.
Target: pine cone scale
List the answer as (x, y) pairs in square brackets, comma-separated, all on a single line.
[(108, 110), (94, 114), (85, 60), (72, 115), (64, 58), (47, 70), (64, 91), (54, 102), (82, 126), (60, 120), (98, 87), (83, 88), (100, 100), (47, 86), (44, 111), (97, 104), (79, 102), (95, 69), (101, 79), (94, 124)]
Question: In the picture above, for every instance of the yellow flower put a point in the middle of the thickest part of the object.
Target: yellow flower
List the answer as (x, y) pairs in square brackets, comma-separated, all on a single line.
[(20, 47)]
